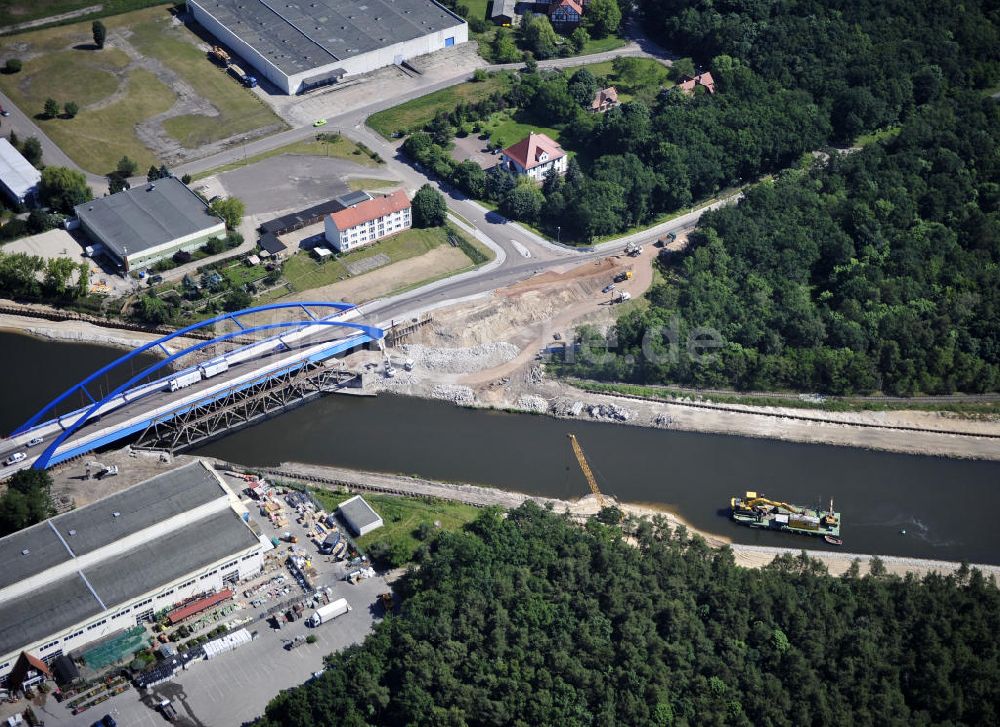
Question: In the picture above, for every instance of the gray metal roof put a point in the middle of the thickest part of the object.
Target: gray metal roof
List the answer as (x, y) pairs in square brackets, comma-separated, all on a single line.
[(68, 601), (16, 172), (352, 198), (170, 557), (138, 507), (358, 513), (147, 216), (503, 9), (298, 35), (45, 550)]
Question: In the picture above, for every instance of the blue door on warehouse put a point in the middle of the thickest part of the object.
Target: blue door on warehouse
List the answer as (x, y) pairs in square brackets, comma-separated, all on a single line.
[(449, 42)]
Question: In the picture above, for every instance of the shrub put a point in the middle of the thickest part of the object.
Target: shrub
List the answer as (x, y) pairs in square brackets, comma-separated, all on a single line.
[(13, 65)]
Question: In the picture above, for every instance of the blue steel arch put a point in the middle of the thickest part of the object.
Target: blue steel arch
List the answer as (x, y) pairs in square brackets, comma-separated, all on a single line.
[(43, 460)]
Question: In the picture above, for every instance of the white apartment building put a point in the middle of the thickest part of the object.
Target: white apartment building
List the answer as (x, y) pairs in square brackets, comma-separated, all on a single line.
[(368, 222)]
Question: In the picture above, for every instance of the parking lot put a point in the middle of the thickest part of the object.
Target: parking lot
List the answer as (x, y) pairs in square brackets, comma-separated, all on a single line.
[(235, 687)]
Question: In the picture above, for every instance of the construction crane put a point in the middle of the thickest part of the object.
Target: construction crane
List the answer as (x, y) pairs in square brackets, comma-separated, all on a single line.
[(591, 480)]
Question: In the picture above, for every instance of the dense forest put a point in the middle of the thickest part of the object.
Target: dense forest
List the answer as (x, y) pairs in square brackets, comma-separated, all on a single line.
[(866, 62), (636, 161), (532, 620), (879, 270)]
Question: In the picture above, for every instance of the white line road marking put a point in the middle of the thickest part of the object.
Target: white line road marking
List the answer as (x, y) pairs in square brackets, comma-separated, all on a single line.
[(525, 252)]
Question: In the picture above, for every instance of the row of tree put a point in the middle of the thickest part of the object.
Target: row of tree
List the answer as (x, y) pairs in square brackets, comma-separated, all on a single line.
[(877, 271), (27, 277), (651, 160), (27, 501), (529, 619)]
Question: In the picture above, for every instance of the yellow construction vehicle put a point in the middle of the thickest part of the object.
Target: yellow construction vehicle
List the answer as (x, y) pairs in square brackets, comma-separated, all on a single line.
[(591, 480), (220, 55), (752, 500)]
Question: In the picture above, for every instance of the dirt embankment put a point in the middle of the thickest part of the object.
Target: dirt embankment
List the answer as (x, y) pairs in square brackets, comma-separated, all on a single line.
[(534, 313)]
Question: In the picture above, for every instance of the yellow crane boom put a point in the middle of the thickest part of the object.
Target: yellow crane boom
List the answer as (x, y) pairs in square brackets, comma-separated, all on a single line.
[(591, 480)]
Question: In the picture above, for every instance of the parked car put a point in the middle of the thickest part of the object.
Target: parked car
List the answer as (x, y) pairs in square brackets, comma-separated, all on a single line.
[(154, 279), (319, 122), (608, 288), (167, 710)]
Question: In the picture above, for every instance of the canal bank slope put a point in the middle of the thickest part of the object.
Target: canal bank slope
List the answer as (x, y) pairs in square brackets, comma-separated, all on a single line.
[(749, 556)]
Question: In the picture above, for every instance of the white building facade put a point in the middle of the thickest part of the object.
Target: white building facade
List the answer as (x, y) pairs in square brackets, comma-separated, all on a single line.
[(368, 222), (534, 156), (114, 583)]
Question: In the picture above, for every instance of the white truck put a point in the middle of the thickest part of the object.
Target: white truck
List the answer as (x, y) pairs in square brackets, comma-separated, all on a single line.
[(185, 379), (328, 612), (213, 368)]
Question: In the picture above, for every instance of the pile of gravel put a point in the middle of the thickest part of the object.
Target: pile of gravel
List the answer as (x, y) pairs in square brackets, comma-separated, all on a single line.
[(456, 394), (460, 360), (567, 407), (609, 412), (535, 404)]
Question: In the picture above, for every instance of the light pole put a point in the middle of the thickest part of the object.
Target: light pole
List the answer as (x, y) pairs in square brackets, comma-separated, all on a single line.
[(558, 234)]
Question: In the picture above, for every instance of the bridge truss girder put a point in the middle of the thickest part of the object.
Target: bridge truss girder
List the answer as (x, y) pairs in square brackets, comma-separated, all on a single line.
[(240, 407)]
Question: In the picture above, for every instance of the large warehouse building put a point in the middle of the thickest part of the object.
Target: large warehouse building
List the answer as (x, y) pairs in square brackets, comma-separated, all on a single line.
[(305, 44), (145, 224), (91, 573)]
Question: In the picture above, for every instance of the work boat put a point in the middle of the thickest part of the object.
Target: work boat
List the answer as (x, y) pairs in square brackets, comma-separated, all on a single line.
[(756, 511)]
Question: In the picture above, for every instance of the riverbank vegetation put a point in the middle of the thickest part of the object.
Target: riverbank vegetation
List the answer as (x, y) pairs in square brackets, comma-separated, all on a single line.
[(530, 619), (408, 523), (26, 501)]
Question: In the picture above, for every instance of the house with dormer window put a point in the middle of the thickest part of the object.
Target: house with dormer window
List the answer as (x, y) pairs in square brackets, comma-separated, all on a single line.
[(534, 156)]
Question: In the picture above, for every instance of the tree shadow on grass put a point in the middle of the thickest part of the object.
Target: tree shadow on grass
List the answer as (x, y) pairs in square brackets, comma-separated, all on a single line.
[(86, 46)]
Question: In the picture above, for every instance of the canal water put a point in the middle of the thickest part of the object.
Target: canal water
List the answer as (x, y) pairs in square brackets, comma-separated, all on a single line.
[(947, 507)]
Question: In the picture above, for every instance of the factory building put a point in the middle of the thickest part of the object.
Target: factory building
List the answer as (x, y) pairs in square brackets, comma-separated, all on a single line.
[(142, 225), (90, 574), (302, 45), (18, 179), (359, 516)]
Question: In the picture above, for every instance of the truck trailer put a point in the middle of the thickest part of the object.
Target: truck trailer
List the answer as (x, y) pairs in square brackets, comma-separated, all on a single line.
[(213, 368), (185, 379), (328, 612)]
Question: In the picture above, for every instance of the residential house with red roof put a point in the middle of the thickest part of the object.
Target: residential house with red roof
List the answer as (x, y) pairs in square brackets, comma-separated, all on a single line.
[(604, 100), (565, 14), (702, 79), (534, 156), (368, 222)]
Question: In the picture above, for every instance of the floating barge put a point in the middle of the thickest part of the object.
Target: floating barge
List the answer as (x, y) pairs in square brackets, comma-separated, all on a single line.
[(756, 511)]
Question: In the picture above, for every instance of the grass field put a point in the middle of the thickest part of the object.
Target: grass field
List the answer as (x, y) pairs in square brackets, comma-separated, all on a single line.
[(413, 115), (402, 516), (13, 12), (155, 35), (505, 130), (115, 94), (342, 148), (643, 78), (304, 272), (371, 183), (879, 135)]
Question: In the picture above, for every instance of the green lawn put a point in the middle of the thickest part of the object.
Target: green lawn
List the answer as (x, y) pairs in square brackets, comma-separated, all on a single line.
[(643, 79), (340, 147), (154, 34), (505, 131), (413, 115), (240, 273), (372, 183), (601, 45), (13, 12), (879, 135), (403, 515), (97, 139)]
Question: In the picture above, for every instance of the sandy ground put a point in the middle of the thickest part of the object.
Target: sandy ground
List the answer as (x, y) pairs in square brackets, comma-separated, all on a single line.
[(82, 332), (378, 283)]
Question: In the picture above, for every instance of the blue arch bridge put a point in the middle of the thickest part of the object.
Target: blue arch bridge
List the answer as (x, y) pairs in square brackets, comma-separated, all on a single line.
[(272, 357)]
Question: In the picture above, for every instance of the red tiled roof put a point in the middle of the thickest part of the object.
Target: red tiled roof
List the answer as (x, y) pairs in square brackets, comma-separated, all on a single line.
[(703, 79), (370, 209), (527, 151), (572, 4), (604, 96), (179, 614)]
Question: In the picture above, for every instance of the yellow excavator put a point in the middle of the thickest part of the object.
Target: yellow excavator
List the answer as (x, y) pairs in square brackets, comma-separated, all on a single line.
[(591, 480), (752, 500)]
